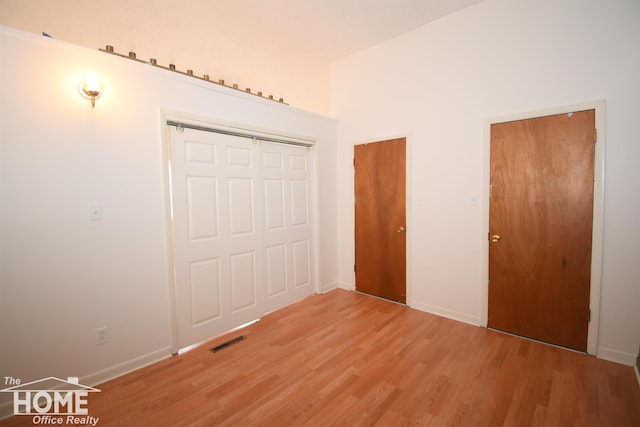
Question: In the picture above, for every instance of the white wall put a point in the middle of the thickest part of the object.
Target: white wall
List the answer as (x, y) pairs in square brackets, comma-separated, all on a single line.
[(61, 275), (439, 84), (157, 31)]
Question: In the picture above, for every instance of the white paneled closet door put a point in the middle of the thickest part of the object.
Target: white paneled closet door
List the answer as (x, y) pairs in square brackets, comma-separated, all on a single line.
[(241, 230), (287, 232)]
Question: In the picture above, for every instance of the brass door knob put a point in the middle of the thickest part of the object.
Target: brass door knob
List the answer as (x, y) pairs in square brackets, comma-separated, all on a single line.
[(399, 229), (495, 238)]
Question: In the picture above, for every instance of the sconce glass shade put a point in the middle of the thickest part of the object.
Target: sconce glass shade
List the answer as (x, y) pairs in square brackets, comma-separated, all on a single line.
[(91, 88)]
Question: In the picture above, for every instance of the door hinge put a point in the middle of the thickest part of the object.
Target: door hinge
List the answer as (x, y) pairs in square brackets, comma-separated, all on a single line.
[(589, 315), (490, 189), (354, 268), (595, 136)]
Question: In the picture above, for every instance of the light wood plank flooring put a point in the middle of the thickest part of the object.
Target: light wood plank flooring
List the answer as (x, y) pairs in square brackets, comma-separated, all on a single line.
[(345, 359)]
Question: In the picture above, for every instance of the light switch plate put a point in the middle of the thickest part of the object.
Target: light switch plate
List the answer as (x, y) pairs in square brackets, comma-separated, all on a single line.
[(95, 212)]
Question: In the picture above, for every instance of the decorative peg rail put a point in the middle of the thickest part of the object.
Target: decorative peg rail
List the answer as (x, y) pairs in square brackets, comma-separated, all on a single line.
[(172, 67)]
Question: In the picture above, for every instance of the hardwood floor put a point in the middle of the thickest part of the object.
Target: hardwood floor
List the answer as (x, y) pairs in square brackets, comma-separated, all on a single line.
[(345, 359)]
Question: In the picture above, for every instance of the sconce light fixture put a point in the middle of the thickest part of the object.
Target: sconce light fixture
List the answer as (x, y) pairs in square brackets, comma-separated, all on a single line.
[(90, 88)]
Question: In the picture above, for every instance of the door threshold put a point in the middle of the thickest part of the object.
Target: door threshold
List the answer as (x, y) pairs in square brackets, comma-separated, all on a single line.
[(380, 298), (538, 341)]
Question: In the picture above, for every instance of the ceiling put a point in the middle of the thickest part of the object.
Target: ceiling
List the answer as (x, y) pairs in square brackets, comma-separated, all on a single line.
[(249, 42)]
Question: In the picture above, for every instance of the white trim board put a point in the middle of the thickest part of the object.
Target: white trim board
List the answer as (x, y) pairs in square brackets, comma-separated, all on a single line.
[(628, 359), (97, 378), (449, 314)]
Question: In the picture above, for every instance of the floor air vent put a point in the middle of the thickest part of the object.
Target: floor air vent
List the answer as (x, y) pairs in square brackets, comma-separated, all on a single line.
[(228, 343)]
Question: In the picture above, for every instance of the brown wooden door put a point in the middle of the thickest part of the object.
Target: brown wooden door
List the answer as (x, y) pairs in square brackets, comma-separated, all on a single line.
[(541, 216), (380, 221)]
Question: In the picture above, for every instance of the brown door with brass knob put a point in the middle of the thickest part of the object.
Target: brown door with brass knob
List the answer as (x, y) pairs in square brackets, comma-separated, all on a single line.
[(380, 220), (540, 222)]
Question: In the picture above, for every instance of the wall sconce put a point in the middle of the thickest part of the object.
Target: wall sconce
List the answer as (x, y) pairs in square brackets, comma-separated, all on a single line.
[(90, 88)]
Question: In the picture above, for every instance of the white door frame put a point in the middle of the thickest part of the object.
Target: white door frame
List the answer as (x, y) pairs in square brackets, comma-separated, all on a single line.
[(598, 210), (165, 115)]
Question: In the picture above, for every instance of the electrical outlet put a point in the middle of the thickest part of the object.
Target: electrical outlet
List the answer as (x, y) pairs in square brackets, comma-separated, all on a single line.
[(102, 336)]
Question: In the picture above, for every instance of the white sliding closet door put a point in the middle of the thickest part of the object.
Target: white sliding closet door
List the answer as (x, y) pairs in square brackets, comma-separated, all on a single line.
[(242, 232), (287, 231)]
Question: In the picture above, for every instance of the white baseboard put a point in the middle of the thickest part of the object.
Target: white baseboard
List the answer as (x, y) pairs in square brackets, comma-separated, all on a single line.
[(6, 408), (616, 356), (628, 359), (346, 286), (328, 287), (438, 311), (126, 367)]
